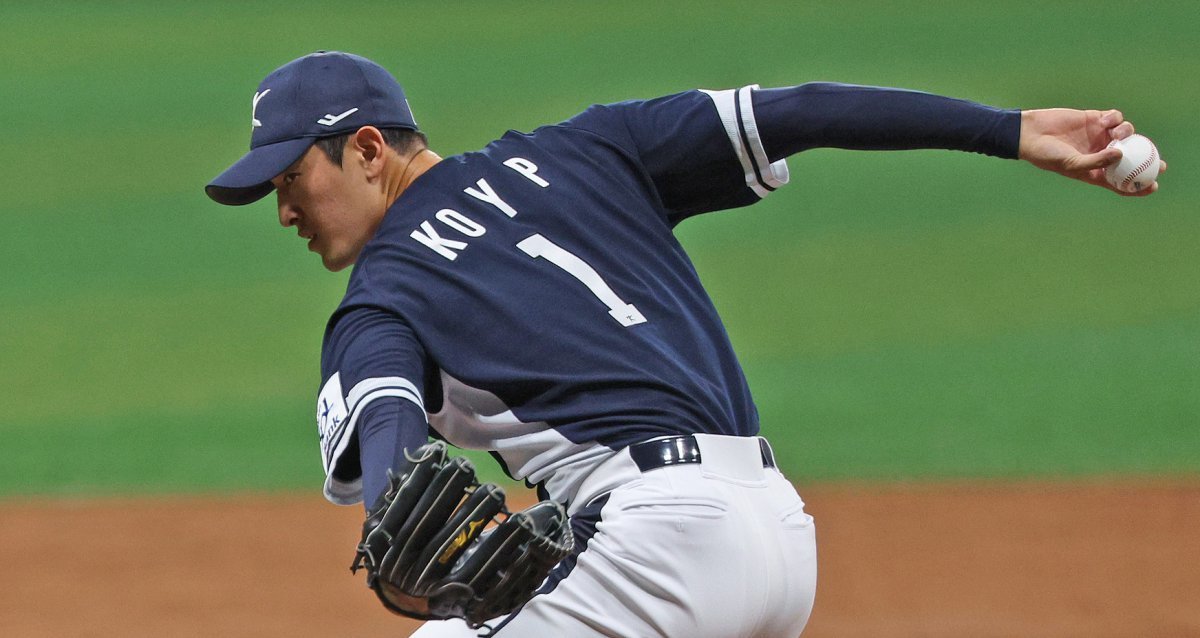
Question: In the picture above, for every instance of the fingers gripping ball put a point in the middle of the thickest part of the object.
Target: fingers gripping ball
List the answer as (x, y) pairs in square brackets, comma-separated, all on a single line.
[(1138, 167), (440, 545)]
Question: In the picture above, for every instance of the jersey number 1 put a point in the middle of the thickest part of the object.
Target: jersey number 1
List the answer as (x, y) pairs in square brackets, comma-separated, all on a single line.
[(538, 246)]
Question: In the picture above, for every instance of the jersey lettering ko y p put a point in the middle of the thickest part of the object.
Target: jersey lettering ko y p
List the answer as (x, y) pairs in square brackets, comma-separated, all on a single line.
[(530, 298)]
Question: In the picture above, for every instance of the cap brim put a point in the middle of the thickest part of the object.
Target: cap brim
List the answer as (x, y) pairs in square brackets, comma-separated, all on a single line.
[(249, 179)]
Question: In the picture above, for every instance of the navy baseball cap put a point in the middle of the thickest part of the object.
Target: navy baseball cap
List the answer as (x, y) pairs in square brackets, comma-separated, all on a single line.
[(321, 94)]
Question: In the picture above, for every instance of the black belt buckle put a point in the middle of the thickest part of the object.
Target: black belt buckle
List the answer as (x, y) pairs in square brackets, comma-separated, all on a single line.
[(679, 450)]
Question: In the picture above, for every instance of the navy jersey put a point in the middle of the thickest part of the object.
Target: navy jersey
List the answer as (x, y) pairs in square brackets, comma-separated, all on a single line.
[(531, 299)]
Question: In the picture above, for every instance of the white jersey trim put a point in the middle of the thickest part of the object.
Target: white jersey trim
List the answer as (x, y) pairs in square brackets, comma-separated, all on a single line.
[(469, 418), (363, 388), (736, 111), (475, 419), (359, 397)]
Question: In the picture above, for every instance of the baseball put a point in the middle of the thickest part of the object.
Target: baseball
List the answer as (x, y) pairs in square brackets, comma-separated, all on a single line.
[(1138, 167)]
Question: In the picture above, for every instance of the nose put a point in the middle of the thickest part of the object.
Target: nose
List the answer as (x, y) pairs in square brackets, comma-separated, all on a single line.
[(287, 213)]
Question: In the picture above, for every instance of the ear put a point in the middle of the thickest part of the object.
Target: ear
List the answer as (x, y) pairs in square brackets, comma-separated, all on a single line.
[(367, 147)]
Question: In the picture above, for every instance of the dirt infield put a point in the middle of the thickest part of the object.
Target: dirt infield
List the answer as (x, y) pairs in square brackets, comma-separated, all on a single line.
[(976, 560)]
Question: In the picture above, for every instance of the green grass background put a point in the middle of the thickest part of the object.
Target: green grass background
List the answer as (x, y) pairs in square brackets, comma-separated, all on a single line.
[(900, 315)]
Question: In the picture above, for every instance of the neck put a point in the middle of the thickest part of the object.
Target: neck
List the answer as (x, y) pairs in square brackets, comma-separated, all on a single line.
[(406, 171)]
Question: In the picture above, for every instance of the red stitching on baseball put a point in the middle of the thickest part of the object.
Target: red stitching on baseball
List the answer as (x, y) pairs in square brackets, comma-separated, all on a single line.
[(1141, 168)]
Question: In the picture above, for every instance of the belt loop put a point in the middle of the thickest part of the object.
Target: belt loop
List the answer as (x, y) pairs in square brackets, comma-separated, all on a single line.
[(768, 453)]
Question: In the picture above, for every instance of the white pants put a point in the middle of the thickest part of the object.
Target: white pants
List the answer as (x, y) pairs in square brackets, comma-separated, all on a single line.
[(720, 548)]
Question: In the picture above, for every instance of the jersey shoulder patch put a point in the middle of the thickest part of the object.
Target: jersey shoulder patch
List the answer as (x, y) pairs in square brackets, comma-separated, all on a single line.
[(332, 417)]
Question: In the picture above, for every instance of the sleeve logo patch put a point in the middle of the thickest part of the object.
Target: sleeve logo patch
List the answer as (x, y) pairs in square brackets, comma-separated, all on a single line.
[(331, 416)]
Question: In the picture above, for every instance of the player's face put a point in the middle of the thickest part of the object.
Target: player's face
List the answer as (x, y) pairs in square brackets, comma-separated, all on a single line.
[(332, 207)]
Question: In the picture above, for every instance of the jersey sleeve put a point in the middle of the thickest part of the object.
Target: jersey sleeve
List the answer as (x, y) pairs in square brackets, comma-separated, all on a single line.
[(701, 149), (371, 405), (709, 150)]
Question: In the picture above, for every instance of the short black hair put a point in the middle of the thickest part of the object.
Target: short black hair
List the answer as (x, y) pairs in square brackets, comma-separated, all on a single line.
[(402, 140)]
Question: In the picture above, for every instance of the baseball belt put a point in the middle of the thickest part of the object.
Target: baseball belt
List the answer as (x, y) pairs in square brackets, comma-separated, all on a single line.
[(679, 450)]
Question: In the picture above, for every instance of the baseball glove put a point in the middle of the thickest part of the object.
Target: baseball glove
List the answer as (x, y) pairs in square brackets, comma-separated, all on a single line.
[(440, 545)]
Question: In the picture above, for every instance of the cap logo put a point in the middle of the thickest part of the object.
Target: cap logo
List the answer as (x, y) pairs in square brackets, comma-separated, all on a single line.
[(330, 119), (254, 108)]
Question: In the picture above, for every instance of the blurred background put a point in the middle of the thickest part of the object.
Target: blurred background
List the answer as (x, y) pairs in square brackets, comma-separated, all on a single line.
[(916, 316), (899, 315)]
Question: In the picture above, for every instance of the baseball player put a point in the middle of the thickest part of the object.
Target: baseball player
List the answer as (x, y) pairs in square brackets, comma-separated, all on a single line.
[(530, 299)]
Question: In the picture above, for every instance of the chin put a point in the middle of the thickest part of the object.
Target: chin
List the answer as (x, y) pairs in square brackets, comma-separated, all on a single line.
[(334, 263), (335, 266)]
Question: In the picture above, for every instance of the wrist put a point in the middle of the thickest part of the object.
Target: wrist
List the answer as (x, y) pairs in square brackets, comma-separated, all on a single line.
[(1027, 126)]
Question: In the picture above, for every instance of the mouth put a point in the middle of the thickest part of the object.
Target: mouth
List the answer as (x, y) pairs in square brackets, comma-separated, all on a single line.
[(311, 237)]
